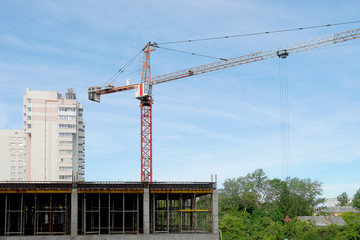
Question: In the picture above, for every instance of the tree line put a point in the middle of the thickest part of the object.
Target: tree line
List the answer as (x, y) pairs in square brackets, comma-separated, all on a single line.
[(256, 207)]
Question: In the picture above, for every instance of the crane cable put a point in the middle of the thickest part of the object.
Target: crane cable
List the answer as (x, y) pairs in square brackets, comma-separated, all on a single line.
[(155, 44), (190, 53), (122, 69), (259, 33), (285, 116)]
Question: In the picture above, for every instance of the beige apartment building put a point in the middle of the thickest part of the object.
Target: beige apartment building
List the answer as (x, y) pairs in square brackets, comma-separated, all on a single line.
[(52, 143), (12, 155)]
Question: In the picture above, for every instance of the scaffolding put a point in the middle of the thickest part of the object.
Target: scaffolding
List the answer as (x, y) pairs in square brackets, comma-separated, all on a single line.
[(181, 213), (45, 208), (110, 213), (36, 214)]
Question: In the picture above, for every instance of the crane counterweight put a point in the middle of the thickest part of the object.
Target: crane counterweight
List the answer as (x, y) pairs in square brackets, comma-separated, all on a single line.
[(92, 94)]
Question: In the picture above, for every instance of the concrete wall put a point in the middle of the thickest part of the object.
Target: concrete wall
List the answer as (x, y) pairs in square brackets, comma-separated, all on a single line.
[(215, 212)]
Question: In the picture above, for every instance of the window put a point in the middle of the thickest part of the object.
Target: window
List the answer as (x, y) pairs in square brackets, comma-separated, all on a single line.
[(20, 174), (20, 150), (65, 177), (28, 118), (65, 143), (65, 160), (29, 100), (13, 162), (67, 109), (13, 179), (64, 117), (13, 156), (13, 139), (65, 169), (67, 125), (62, 134), (13, 144), (65, 151), (13, 150), (21, 155), (21, 162), (20, 168), (13, 174), (21, 144), (29, 109), (21, 139), (29, 125), (13, 168), (21, 179)]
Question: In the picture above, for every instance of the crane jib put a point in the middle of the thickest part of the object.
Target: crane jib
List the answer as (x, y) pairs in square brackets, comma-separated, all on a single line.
[(262, 55)]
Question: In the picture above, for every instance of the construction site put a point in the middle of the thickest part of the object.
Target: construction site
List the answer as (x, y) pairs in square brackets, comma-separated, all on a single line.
[(130, 210), (114, 210)]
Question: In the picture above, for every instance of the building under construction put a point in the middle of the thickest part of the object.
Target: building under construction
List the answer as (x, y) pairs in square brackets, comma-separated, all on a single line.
[(114, 210)]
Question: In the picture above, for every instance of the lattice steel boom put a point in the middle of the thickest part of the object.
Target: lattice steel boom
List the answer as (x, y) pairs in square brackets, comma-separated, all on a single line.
[(258, 56)]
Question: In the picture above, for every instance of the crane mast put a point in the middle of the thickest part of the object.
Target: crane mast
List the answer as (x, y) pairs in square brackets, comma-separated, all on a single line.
[(143, 90)]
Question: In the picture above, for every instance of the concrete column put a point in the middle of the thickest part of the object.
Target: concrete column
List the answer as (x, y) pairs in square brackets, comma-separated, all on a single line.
[(146, 209), (215, 212), (74, 212)]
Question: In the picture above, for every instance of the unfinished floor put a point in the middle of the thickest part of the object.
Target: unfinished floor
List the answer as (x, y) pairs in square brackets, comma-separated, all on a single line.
[(87, 210)]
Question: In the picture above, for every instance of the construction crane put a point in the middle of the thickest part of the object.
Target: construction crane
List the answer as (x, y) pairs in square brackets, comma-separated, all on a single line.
[(143, 90)]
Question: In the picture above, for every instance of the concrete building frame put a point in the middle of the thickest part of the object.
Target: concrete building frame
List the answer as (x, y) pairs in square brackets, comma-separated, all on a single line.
[(116, 210)]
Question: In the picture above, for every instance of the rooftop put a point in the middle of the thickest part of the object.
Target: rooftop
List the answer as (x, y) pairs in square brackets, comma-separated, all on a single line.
[(323, 221)]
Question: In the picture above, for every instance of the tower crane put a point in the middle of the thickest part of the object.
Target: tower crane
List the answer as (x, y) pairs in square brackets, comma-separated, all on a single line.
[(143, 90)]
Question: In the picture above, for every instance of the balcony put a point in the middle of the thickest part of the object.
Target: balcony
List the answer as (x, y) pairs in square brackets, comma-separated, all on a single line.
[(81, 164)]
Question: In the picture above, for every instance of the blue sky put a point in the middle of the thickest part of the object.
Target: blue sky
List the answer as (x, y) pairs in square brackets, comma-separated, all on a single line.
[(225, 123)]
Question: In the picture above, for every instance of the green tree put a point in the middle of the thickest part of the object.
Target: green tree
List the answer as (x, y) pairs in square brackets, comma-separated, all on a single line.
[(302, 230), (295, 197), (254, 206), (352, 227), (244, 193), (343, 199), (234, 225), (307, 190), (356, 200)]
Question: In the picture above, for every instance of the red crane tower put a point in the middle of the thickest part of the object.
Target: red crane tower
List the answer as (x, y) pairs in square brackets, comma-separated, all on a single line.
[(143, 90)]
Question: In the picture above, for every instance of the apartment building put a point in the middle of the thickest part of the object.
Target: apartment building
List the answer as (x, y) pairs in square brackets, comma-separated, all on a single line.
[(12, 160), (53, 139), (333, 202)]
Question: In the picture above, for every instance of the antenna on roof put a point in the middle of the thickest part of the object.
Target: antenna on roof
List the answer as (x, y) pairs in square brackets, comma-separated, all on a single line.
[(70, 93)]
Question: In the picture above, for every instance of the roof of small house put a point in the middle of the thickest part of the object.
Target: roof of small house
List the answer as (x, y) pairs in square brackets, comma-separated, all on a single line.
[(323, 221)]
